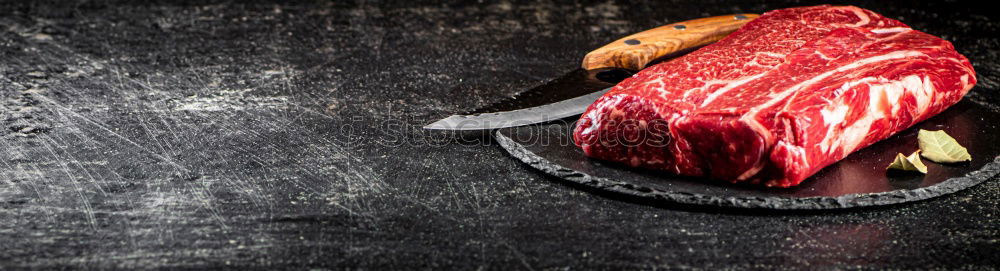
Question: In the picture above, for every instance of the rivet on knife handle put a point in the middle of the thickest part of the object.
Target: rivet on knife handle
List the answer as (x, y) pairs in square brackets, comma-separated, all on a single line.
[(635, 51)]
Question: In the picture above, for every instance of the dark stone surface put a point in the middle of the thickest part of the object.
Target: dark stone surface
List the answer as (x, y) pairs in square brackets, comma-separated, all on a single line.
[(252, 135)]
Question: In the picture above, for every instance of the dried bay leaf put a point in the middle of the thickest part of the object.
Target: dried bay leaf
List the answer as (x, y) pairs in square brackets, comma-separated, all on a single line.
[(939, 147), (908, 163)]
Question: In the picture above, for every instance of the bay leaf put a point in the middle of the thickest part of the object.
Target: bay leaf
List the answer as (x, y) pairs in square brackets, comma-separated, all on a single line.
[(908, 163), (939, 147)]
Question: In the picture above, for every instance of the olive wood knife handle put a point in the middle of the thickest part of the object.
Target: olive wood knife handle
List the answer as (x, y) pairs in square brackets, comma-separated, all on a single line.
[(635, 51)]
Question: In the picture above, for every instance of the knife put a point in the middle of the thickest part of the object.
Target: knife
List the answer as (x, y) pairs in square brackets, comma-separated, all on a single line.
[(571, 94)]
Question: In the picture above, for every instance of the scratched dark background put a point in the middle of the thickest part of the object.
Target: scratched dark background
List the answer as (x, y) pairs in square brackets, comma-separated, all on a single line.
[(186, 135)]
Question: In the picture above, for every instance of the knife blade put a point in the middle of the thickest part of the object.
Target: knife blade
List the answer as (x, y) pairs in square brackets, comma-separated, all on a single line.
[(531, 115), (570, 94)]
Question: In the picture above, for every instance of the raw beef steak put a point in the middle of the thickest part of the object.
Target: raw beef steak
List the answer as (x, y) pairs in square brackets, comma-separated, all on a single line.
[(779, 99)]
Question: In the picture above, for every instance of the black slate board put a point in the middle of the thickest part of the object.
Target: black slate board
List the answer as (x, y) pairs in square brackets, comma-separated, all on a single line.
[(857, 181)]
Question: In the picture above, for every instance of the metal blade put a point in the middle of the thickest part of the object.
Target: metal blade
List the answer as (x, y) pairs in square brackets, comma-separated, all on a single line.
[(562, 97), (573, 84), (526, 116)]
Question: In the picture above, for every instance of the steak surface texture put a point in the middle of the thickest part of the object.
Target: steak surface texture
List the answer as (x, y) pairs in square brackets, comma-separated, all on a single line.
[(787, 94)]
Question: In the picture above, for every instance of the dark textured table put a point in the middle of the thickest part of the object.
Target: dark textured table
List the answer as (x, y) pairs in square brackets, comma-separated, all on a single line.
[(267, 135)]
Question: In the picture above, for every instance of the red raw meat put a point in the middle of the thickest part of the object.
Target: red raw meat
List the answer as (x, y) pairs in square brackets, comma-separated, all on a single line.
[(784, 96)]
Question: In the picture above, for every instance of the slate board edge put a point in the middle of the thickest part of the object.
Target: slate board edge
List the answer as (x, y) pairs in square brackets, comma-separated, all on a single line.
[(949, 186)]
